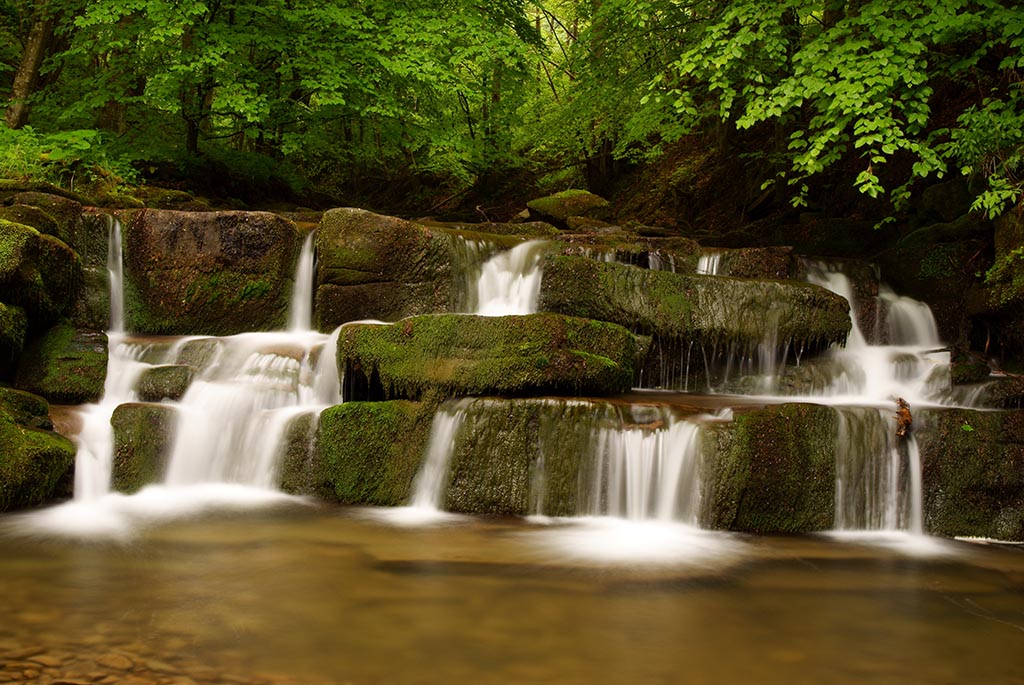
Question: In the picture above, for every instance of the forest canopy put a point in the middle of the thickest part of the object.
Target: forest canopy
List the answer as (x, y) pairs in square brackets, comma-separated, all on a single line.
[(356, 101)]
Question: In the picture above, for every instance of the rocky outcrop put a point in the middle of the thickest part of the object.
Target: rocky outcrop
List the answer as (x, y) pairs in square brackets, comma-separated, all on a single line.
[(143, 440), (65, 365), (207, 273), (455, 355), (33, 458), (38, 273), (706, 310)]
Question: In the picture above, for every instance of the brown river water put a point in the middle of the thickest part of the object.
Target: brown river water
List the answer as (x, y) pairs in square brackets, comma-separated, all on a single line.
[(315, 594)]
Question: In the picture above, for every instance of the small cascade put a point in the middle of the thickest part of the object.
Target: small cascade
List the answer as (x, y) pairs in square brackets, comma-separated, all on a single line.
[(115, 273), (661, 262), (509, 282), (301, 310), (878, 477), (710, 262), (646, 471), (429, 486)]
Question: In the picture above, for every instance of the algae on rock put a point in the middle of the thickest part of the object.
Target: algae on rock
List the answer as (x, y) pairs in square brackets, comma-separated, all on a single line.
[(472, 355)]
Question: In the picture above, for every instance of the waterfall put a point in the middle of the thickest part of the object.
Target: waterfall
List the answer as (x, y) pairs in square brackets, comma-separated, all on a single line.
[(429, 486), (115, 273), (878, 476), (301, 311), (646, 472), (710, 262), (509, 282)]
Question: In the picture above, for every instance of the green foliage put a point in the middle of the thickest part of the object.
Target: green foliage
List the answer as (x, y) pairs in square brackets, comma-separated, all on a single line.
[(65, 158)]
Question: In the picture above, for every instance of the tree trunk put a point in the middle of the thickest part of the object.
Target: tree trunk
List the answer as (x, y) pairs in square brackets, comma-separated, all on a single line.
[(27, 77)]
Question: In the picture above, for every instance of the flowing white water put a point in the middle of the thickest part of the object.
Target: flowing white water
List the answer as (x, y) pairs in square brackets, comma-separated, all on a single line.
[(301, 310), (710, 263), (647, 472), (509, 282)]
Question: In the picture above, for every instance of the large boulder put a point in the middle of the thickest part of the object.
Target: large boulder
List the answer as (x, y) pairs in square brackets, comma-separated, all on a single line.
[(143, 441), (771, 470), (38, 273), (559, 207), (454, 354), (65, 365), (973, 472), (372, 266), (33, 458), (56, 215), (706, 310), (211, 273), (366, 453)]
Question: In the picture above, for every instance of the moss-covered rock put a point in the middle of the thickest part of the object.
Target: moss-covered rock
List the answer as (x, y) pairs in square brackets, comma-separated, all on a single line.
[(32, 458), (63, 211), (699, 309), (166, 382), (525, 456), (10, 187), (65, 365), (38, 273), (474, 355), (211, 273), (529, 229), (30, 216), (369, 452), (143, 440), (771, 470), (13, 325), (302, 471), (973, 472), (372, 266), (776, 263), (559, 207)]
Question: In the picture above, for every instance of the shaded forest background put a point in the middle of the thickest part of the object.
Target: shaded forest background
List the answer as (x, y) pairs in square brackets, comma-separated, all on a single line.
[(683, 112)]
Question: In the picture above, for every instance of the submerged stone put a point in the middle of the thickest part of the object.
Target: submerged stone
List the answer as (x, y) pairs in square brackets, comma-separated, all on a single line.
[(65, 365), (143, 440), (702, 309), (472, 355), (207, 273)]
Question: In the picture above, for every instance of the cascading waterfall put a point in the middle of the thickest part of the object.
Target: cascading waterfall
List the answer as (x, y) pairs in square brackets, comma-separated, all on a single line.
[(710, 262), (509, 282), (301, 311), (428, 488), (233, 417), (647, 471)]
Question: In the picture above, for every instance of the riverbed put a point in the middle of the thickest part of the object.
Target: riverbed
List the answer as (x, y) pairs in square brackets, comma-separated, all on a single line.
[(294, 592)]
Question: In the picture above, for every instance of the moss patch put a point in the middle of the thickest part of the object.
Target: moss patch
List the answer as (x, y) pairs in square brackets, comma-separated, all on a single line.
[(64, 365), (369, 453), (32, 458), (38, 273), (771, 471), (473, 355), (13, 325), (560, 206)]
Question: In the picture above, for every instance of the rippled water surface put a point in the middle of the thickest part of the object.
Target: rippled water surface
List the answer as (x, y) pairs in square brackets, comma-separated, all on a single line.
[(303, 594)]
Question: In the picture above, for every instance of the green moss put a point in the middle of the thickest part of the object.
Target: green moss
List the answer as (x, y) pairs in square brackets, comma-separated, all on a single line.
[(143, 440), (10, 187), (37, 272), (32, 460), (25, 409), (973, 480), (64, 365), (63, 211), (472, 355), (700, 309), (560, 206), (30, 216), (13, 325), (771, 471), (369, 453)]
